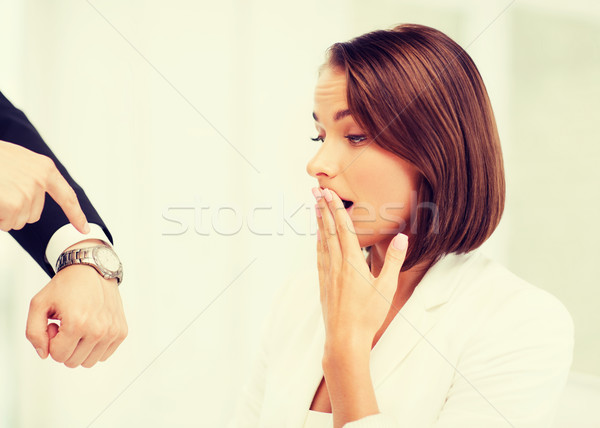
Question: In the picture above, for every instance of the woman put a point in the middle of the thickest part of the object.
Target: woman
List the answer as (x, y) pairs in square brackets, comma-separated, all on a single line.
[(425, 331)]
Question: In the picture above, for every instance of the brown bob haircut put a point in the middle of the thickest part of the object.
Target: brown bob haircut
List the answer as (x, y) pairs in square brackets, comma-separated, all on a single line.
[(418, 94)]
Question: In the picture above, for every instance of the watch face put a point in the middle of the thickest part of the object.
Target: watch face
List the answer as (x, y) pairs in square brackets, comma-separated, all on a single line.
[(107, 258)]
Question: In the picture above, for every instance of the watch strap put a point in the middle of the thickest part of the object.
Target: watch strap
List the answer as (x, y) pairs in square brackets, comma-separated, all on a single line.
[(85, 256), (78, 256)]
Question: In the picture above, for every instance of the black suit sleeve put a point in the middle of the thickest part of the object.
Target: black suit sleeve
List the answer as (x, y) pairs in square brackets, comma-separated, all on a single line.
[(16, 128)]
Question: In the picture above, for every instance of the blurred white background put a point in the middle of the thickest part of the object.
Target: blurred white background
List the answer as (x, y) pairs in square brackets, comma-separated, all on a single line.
[(188, 125)]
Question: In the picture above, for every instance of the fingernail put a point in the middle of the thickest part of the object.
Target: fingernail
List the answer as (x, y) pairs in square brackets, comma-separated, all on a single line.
[(327, 195), (318, 211), (86, 228), (317, 193), (40, 352), (401, 242)]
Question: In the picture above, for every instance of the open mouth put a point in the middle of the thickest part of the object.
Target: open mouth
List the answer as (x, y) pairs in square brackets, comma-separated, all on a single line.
[(347, 204)]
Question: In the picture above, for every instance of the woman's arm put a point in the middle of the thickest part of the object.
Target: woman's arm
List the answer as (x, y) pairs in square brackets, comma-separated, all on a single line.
[(349, 384), (510, 373), (355, 306)]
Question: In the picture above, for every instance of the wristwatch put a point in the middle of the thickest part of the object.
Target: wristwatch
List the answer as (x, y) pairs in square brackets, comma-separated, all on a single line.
[(100, 257)]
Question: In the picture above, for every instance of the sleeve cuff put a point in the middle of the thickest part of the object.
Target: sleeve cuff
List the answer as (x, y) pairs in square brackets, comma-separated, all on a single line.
[(66, 236)]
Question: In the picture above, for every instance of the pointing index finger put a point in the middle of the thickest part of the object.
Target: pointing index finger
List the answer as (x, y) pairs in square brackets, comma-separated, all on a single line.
[(64, 195)]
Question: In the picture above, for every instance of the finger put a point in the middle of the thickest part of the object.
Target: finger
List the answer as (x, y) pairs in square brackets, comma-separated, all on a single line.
[(17, 216), (52, 330), (96, 353), (321, 243), (22, 217), (37, 206), (112, 348), (345, 229), (81, 351), (394, 258), (64, 195), (329, 233), (120, 337), (321, 230), (321, 260), (37, 323), (5, 225), (62, 346)]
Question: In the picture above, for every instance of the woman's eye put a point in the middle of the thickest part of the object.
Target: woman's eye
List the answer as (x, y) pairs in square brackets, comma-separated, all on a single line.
[(319, 138), (356, 139)]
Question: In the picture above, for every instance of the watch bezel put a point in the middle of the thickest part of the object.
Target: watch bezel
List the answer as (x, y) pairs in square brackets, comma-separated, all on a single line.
[(107, 273)]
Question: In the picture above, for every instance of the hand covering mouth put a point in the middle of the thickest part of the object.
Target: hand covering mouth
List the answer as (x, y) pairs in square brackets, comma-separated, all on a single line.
[(347, 203)]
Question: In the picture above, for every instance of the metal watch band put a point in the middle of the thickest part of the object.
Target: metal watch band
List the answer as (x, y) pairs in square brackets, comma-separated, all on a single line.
[(78, 256), (85, 256)]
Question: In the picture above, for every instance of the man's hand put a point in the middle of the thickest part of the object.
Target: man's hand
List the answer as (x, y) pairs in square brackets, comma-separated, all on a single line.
[(25, 177), (92, 320)]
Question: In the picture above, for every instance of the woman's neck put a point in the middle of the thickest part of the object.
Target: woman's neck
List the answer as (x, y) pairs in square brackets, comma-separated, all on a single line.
[(407, 280)]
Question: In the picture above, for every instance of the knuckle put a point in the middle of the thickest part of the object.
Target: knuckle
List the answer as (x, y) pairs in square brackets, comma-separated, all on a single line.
[(97, 332), (18, 226), (47, 164), (72, 198), (334, 271), (36, 303), (75, 326), (35, 217), (113, 331), (124, 332), (394, 258), (347, 269), (26, 198), (123, 335), (31, 335), (13, 205)]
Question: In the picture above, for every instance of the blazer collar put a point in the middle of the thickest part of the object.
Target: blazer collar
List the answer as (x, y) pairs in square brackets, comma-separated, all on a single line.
[(418, 315)]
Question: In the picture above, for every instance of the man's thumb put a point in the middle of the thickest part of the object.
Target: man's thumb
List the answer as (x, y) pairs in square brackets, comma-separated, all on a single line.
[(395, 255), (37, 323)]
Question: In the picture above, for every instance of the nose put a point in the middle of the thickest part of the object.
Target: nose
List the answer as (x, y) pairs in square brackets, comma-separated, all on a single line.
[(323, 163)]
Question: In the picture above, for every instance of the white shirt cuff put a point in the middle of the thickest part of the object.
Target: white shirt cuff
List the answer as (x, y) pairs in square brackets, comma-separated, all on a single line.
[(66, 236)]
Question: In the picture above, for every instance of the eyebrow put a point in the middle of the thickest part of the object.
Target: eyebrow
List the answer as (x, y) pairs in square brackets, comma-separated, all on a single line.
[(338, 116)]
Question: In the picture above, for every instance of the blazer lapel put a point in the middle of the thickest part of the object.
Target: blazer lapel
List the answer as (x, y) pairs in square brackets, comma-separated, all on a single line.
[(414, 320), (301, 371), (309, 376)]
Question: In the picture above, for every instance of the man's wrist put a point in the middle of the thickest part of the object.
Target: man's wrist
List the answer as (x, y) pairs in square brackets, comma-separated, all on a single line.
[(67, 236), (97, 255), (90, 243), (85, 243)]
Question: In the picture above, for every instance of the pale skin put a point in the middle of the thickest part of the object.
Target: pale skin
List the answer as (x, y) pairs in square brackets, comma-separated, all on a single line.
[(25, 177), (358, 302), (89, 307)]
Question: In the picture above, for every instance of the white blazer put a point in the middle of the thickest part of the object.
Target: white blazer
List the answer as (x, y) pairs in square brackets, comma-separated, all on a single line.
[(474, 346)]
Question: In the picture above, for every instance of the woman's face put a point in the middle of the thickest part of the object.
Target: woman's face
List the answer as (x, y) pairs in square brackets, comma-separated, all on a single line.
[(379, 185)]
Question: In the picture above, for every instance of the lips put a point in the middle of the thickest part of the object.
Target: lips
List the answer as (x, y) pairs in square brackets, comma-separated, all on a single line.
[(347, 203)]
